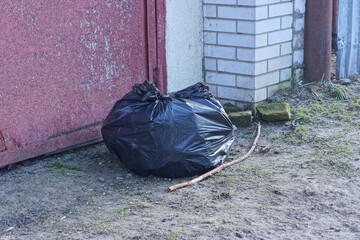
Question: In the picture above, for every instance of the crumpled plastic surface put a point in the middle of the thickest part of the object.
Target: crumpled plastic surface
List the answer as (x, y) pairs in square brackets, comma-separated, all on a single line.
[(182, 134)]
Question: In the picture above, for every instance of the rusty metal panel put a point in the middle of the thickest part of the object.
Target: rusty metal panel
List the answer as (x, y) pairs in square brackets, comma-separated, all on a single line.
[(318, 28), (63, 65), (348, 58)]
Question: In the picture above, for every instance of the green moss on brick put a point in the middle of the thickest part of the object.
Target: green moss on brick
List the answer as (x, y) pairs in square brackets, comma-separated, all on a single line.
[(241, 119), (230, 108), (274, 111)]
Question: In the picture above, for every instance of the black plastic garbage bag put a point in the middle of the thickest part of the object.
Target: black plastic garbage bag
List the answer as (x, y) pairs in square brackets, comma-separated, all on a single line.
[(183, 134)]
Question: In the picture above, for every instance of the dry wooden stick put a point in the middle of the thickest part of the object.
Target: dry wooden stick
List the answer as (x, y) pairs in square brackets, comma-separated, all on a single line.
[(220, 168)]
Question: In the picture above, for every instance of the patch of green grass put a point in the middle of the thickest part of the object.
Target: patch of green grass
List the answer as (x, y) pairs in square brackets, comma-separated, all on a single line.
[(123, 212), (330, 138), (257, 171), (302, 132), (285, 86), (122, 191), (334, 157), (354, 106), (341, 149), (59, 165), (275, 136), (338, 92), (103, 228), (175, 234), (227, 181), (335, 150), (110, 189), (303, 114), (140, 204), (316, 112), (340, 166)]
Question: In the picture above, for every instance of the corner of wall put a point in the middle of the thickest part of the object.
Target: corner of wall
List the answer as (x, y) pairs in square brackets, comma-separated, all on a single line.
[(298, 41), (248, 48)]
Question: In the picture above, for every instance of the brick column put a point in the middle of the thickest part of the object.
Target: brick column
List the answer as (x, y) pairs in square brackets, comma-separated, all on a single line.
[(247, 48), (298, 40)]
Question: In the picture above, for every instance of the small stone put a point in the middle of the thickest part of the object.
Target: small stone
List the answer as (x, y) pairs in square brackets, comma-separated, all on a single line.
[(335, 229), (101, 179), (238, 235), (274, 111), (230, 108), (247, 231), (264, 149), (346, 81), (26, 163), (211, 220), (241, 119), (288, 123), (309, 192), (277, 192)]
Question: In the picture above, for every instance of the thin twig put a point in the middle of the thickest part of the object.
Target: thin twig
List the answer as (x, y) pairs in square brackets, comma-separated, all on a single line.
[(315, 82), (8, 230), (307, 84), (317, 95), (220, 168)]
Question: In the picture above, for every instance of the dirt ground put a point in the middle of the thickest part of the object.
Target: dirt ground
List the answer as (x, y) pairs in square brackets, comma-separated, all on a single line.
[(302, 182)]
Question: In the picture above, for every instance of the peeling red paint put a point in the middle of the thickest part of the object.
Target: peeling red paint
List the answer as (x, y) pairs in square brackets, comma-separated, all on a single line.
[(318, 29), (63, 65)]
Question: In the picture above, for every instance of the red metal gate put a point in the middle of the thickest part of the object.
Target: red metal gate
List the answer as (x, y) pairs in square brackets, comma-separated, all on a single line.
[(63, 65)]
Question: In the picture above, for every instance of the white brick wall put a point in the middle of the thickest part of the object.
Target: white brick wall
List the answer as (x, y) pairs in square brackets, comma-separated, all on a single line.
[(217, 25), (248, 47), (286, 48), (215, 51), (231, 2), (286, 22), (256, 27), (225, 79), (280, 9), (241, 40), (280, 36), (242, 13), (256, 2), (258, 54), (279, 63)]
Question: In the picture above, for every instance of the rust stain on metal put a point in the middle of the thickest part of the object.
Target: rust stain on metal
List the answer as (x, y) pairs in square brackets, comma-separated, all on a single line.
[(318, 31), (59, 134)]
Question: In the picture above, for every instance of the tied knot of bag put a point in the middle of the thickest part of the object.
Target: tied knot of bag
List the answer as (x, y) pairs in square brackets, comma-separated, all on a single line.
[(199, 90), (147, 91)]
